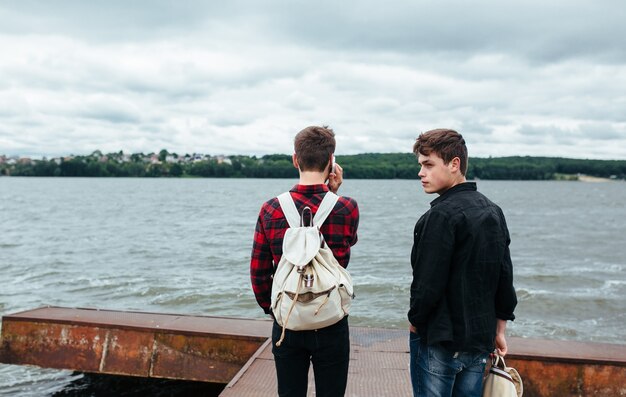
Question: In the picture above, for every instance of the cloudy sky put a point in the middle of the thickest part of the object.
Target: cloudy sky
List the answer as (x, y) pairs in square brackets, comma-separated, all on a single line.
[(242, 77)]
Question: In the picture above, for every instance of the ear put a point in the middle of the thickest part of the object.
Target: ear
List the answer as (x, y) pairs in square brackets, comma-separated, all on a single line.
[(455, 165), (294, 160)]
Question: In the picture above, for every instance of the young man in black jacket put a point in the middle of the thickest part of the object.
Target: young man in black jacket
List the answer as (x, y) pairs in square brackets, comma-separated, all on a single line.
[(462, 290)]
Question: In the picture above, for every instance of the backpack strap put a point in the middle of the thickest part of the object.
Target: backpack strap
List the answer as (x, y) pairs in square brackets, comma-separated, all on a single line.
[(289, 209), (293, 216), (325, 208)]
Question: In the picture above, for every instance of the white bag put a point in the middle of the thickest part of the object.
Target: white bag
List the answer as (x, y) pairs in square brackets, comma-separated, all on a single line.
[(502, 381), (310, 290)]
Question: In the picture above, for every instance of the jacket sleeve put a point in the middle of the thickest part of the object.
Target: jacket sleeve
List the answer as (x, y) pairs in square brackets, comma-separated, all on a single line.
[(261, 266), (506, 298), (354, 223), (431, 257)]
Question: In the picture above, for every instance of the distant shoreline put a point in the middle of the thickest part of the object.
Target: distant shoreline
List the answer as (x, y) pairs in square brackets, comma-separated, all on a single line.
[(359, 166), (594, 179), (561, 178)]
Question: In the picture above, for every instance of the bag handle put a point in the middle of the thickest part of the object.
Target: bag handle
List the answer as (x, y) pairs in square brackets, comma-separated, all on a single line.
[(499, 368)]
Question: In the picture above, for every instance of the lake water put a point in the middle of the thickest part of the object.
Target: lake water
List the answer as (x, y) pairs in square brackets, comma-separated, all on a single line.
[(183, 246)]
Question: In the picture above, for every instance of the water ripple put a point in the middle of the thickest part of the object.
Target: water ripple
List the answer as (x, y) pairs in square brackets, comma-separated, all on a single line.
[(179, 246)]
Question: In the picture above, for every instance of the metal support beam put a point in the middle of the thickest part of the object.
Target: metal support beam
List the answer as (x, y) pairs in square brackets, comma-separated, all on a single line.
[(210, 349)]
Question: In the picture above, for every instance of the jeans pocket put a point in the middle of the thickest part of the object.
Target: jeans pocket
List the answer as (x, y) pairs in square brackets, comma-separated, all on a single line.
[(479, 362), (441, 361)]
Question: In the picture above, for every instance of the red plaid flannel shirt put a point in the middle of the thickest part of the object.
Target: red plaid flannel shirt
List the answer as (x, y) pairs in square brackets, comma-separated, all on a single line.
[(339, 231)]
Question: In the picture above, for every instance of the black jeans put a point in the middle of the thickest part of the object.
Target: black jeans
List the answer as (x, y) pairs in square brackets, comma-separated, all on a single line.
[(327, 348)]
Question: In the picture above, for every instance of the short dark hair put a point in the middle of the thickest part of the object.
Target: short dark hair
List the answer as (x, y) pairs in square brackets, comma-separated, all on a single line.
[(446, 143), (314, 146)]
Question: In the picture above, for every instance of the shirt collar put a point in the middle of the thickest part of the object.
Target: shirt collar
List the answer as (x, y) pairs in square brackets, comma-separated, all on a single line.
[(310, 189), (461, 187)]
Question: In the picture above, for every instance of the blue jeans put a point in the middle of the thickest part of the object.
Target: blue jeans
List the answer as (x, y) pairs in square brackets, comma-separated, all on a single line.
[(439, 372), (327, 348)]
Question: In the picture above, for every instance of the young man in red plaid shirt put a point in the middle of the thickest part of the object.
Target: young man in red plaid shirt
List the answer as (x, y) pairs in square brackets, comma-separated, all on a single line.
[(327, 348)]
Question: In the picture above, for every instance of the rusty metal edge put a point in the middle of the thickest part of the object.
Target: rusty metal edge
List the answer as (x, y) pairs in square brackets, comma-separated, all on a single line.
[(21, 318), (548, 350), (146, 329), (565, 360), (247, 365), (13, 315), (560, 358)]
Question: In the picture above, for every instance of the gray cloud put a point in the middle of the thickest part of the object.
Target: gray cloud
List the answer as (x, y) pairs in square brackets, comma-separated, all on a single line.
[(544, 32), (603, 131), (243, 77)]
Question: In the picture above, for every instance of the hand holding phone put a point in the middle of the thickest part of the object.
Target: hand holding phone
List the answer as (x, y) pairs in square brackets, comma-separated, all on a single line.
[(335, 179)]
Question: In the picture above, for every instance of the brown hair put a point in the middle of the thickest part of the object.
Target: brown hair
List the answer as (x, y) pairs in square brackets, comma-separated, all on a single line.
[(314, 146), (446, 143)]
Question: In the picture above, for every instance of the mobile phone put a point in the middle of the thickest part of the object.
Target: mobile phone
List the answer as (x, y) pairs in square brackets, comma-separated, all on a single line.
[(332, 168)]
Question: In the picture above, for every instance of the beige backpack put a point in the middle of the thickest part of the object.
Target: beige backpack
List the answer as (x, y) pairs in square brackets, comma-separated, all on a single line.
[(311, 290), (502, 381)]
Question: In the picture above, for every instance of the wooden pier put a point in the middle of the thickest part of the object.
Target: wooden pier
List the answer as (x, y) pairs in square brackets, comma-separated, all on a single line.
[(237, 353)]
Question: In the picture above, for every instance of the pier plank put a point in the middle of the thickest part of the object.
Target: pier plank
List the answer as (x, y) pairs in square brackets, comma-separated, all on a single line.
[(379, 361)]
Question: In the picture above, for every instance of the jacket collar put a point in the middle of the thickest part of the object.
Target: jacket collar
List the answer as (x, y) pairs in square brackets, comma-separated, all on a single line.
[(461, 187)]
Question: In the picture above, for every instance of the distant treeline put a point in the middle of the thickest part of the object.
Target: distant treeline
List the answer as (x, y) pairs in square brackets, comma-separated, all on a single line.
[(360, 166)]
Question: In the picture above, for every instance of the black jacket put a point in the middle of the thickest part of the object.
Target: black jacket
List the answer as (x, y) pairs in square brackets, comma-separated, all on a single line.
[(462, 271)]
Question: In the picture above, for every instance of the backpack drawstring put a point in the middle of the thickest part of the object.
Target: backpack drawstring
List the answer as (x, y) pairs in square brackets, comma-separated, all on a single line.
[(323, 303), (293, 303)]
